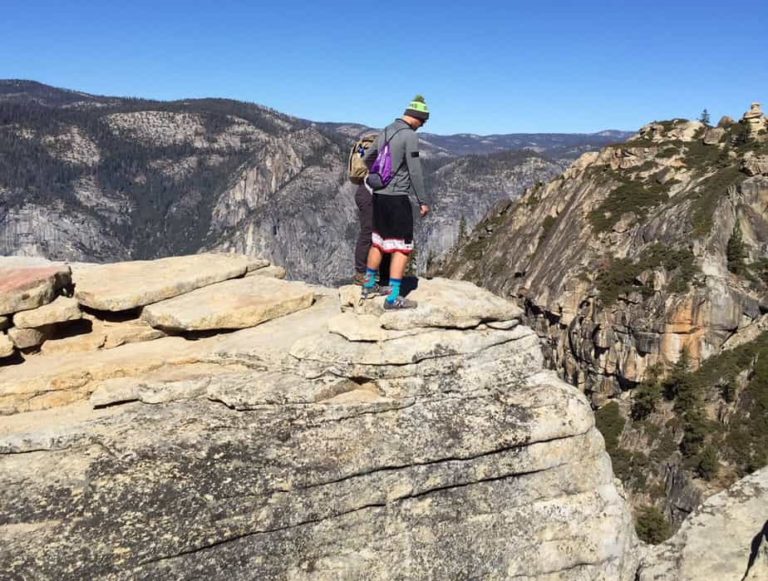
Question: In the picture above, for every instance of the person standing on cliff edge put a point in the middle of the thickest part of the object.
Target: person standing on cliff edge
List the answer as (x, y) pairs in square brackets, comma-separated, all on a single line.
[(395, 175)]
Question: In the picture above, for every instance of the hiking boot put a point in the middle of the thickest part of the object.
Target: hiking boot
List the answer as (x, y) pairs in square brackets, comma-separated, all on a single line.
[(359, 279), (375, 291), (400, 303)]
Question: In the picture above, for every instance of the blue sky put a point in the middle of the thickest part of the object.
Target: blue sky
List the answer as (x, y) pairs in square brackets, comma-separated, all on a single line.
[(484, 66)]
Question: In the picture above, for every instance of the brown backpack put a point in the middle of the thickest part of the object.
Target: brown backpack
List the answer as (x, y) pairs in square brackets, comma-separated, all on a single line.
[(356, 168)]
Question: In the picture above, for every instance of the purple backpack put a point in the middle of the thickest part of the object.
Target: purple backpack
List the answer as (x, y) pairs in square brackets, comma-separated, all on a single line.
[(381, 171)]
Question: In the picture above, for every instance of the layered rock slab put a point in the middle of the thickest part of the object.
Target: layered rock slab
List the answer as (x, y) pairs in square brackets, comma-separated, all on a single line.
[(123, 286), (55, 380), (725, 538), (61, 310), (24, 288), (233, 304), (442, 303), (286, 451)]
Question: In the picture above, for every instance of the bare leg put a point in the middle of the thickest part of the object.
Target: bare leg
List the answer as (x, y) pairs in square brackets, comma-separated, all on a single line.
[(397, 268), (374, 258)]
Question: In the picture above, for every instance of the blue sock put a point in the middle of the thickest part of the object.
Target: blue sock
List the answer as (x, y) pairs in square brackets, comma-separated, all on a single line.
[(395, 292), (371, 277)]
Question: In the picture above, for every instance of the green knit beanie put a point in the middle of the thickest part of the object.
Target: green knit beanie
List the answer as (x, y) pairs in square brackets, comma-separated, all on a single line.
[(418, 108)]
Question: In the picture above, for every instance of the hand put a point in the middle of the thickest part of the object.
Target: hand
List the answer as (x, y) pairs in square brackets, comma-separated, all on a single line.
[(423, 210)]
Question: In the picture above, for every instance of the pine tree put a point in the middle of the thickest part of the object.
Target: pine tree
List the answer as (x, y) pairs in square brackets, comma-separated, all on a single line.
[(462, 229), (735, 252), (704, 118)]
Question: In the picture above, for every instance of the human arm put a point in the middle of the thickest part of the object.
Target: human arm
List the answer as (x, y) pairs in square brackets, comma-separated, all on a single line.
[(413, 162)]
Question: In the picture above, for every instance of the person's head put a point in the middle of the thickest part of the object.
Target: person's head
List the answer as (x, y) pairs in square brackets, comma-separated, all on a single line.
[(417, 112)]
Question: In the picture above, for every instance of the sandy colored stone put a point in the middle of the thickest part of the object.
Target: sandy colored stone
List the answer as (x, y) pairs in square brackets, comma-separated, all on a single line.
[(725, 538), (52, 380), (77, 344), (270, 270), (135, 331), (6, 346), (27, 288), (127, 285), (28, 338), (62, 309), (234, 304)]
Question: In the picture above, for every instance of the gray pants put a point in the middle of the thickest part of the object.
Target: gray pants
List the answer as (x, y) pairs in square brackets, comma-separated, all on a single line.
[(364, 201)]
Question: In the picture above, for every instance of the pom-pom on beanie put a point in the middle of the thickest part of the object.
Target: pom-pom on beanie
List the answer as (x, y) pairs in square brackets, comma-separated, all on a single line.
[(418, 108)]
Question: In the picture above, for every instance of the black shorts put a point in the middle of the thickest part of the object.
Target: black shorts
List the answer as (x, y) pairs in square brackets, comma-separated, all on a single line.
[(392, 224)]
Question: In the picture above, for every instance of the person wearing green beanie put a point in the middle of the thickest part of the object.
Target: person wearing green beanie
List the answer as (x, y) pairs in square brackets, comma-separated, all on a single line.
[(397, 150)]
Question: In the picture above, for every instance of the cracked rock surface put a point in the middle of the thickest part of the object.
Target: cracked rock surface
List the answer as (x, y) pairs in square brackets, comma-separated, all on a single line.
[(314, 447), (725, 538)]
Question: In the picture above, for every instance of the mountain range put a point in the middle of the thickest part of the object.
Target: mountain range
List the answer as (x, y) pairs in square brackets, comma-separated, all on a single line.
[(95, 178)]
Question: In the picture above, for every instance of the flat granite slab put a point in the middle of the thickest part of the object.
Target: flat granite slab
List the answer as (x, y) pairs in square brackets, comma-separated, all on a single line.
[(233, 304), (60, 310), (442, 303), (126, 285), (25, 288)]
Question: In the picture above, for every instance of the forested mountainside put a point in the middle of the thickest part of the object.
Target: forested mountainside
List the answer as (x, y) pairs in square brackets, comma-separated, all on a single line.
[(644, 269)]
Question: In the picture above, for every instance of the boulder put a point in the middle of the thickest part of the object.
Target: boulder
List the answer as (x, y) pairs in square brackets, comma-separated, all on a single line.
[(126, 285), (714, 135), (6, 346), (62, 309), (755, 165), (26, 288), (234, 304), (726, 121), (724, 538)]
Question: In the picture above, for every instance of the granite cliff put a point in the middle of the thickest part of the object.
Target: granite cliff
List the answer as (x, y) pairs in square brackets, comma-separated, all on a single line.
[(643, 269), (198, 417), (276, 430)]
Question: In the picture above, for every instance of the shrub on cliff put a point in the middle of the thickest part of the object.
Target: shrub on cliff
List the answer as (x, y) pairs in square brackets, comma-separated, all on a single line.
[(609, 421), (651, 526), (648, 395)]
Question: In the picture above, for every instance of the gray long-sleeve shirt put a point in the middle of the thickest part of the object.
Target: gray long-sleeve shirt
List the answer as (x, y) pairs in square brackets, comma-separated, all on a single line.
[(406, 163)]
